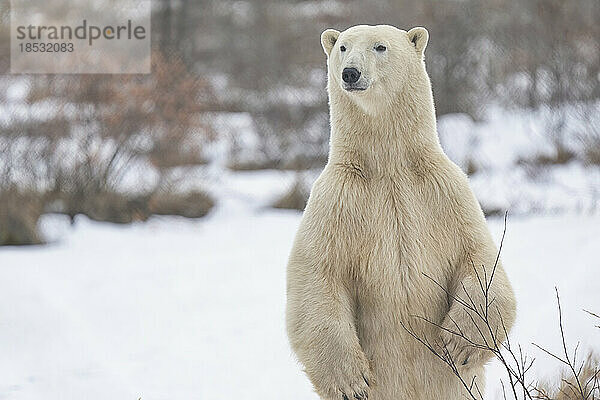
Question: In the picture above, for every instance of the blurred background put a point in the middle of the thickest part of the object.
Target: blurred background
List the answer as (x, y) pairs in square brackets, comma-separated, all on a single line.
[(161, 207)]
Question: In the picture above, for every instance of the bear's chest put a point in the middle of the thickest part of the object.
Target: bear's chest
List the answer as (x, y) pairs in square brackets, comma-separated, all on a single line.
[(385, 229), (371, 217), (377, 206)]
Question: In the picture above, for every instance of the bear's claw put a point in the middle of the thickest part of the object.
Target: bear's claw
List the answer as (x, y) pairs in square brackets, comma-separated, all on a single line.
[(366, 380), (356, 391), (357, 396)]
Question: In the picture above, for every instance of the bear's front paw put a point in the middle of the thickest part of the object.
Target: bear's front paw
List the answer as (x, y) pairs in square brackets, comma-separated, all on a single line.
[(459, 351), (347, 382)]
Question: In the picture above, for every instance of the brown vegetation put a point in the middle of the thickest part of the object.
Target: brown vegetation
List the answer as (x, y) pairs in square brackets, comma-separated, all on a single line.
[(101, 130), (19, 215), (190, 205), (295, 198)]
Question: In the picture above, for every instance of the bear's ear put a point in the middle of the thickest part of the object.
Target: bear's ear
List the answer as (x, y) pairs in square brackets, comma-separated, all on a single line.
[(419, 37), (328, 39)]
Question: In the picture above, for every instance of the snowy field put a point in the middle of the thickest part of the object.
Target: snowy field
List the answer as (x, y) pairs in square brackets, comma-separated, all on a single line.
[(182, 309)]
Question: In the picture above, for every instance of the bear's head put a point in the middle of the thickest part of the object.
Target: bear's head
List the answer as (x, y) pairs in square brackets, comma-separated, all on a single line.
[(371, 65)]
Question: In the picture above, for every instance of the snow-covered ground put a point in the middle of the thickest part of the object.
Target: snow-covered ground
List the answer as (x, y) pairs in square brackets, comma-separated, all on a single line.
[(182, 309), (502, 155)]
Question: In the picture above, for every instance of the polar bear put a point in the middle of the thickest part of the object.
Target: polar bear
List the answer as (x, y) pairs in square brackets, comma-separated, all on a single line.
[(391, 237)]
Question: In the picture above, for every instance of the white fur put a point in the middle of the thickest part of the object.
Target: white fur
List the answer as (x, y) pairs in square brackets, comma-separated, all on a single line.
[(388, 208)]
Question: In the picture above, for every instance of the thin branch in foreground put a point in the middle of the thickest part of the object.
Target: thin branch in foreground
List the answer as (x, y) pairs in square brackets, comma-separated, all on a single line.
[(593, 315)]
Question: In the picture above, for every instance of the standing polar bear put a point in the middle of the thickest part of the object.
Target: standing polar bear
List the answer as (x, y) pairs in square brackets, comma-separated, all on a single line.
[(391, 231)]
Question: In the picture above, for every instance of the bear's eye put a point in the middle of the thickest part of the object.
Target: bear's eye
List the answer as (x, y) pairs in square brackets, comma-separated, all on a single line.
[(342, 48), (381, 48)]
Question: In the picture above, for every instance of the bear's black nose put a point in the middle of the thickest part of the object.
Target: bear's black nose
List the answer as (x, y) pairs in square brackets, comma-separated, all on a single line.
[(350, 75)]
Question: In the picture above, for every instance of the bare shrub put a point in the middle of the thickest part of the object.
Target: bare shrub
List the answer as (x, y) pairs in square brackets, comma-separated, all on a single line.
[(93, 144), (556, 125), (119, 121), (589, 134), (581, 381), (584, 386)]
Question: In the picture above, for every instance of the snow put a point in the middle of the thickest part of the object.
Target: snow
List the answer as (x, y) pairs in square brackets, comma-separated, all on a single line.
[(569, 188), (176, 308), (237, 141), (501, 153), (17, 90), (506, 137)]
